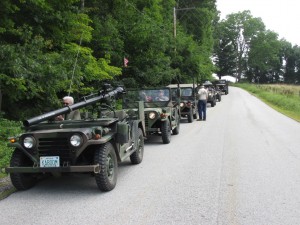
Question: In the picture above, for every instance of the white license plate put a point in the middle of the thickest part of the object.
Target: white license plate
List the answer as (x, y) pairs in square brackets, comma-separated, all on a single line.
[(49, 161)]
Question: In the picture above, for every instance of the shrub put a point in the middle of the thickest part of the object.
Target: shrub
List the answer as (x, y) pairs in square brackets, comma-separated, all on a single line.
[(7, 129)]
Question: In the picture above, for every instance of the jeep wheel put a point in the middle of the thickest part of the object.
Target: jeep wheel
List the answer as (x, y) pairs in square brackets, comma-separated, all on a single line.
[(190, 116), (166, 132), (106, 157), (22, 181), (175, 131), (213, 103), (195, 114), (137, 156)]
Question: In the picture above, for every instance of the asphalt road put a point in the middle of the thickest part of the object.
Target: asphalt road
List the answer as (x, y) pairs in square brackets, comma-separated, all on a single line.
[(240, 167)]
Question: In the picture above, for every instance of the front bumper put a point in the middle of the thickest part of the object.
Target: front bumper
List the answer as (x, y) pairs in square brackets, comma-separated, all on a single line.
[(62, 169)]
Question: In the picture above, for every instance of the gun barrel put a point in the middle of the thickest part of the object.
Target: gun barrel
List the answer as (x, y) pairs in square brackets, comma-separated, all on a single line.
[(67, 109)]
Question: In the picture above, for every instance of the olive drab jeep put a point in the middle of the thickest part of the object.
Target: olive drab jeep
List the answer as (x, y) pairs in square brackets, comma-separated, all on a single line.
[(95, 144), (162, 113), (188, 101), (222, 85), (218, 93)]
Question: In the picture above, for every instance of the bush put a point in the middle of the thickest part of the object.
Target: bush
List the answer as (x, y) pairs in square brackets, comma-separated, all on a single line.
[(7, 129)]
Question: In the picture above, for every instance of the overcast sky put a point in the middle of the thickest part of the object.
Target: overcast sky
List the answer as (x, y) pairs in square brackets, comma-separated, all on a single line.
[(280, 16)]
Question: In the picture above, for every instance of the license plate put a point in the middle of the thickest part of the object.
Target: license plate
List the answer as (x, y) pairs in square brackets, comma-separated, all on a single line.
[(49, 161)]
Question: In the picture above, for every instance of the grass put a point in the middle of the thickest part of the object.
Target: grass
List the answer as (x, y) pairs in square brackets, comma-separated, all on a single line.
[(283, 98)]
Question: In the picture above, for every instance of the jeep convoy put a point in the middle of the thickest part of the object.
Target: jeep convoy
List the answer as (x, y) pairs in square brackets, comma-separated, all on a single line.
[(104, 136)]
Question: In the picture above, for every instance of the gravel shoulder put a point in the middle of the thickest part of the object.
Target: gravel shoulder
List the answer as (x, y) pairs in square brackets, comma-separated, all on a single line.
[(6, 187)]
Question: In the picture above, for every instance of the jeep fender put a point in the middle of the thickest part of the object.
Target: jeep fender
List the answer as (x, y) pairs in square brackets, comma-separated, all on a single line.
[(20, 147)]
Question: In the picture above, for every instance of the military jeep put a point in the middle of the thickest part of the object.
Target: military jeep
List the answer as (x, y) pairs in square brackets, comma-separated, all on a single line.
[(218, 93), (222, 85), (162, 113), (188, 101), (94, 145)]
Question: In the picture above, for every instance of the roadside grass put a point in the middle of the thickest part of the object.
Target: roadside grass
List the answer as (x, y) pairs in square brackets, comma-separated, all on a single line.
[(282, 97)]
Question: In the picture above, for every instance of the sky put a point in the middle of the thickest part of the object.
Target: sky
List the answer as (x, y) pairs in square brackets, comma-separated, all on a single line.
[(280, 16)]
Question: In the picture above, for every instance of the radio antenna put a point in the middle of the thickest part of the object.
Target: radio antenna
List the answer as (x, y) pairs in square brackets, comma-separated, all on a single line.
[(77, 54)]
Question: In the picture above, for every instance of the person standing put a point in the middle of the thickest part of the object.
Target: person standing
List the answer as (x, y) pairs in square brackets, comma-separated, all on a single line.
[(73, 115), (202, 100)]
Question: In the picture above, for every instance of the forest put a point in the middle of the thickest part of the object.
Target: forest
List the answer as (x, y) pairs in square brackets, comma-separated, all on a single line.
[(49, 49)]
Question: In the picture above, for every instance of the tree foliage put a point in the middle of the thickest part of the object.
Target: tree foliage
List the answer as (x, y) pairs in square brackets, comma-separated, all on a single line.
[(49, 49), (244, 48)]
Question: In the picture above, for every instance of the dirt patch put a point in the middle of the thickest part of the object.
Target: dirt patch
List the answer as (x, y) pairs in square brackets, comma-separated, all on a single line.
[(6, 187)]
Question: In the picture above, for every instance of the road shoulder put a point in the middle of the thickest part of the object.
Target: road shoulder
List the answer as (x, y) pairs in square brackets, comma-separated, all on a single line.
[(6, 187)]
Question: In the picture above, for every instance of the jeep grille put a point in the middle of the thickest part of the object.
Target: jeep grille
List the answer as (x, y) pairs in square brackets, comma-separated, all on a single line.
[(146, 120), (55, 147)]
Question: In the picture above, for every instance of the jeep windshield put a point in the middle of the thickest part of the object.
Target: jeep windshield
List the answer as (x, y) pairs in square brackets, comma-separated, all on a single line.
[(186, 93), (221, 82), (158, 97)]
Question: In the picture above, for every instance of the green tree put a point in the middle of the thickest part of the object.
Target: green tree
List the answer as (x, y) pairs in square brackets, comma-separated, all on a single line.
[(39, 48), (236, 30), (264, 58), (196, 19), (291, 62), (51, 48)]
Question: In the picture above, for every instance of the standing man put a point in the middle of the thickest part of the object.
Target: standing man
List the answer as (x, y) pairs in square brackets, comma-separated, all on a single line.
[(73, 115), (202, 100)]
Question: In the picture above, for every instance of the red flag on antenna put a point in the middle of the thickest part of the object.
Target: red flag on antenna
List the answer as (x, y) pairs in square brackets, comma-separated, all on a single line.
[(125, 62)]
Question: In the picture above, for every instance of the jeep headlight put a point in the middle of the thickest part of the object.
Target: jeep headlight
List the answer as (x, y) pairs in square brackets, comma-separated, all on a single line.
[(29, 142), (152, 115), (76, 140), (181, 104)]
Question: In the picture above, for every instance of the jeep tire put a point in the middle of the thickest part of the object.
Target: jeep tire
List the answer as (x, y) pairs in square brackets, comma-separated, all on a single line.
[(195, 115), (137, 156), (106, 157), (175, 131), (166, 132), (22, 181), (190, 117), (213, 102)]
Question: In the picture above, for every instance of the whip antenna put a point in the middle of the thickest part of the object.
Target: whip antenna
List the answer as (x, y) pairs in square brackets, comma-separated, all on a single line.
[(75, 64), (76, 59)]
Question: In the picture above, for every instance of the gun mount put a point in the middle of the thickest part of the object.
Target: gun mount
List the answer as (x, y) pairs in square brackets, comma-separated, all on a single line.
[(106, 93)]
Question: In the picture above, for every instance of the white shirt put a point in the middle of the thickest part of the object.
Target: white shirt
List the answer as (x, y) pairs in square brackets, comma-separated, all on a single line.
[(203, 94)]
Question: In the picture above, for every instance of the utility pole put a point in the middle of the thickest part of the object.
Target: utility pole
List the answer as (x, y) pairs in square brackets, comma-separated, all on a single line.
[(174, 25), (174, 17)]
